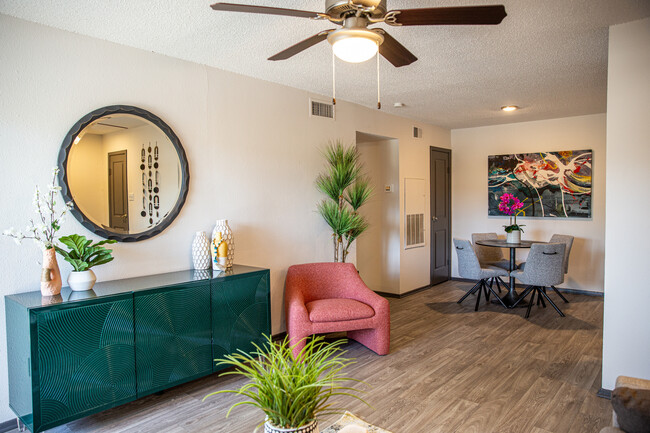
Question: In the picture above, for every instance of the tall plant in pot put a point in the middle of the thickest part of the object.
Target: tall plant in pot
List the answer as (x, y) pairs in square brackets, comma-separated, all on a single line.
[(347, 189), (83, 255), (292, 392)]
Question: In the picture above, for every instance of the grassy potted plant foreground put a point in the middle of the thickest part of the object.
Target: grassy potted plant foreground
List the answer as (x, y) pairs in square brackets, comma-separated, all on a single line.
[(292, 392), (83, 255)]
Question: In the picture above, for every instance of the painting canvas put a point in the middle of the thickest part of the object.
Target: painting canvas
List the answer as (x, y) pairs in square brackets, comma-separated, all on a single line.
[(550, 184)]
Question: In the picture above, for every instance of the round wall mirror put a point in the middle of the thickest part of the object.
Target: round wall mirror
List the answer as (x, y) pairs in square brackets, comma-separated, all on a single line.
[(126, 172)]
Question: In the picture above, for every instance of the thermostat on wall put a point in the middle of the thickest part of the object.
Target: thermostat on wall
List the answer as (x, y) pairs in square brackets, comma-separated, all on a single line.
[(388, 188)]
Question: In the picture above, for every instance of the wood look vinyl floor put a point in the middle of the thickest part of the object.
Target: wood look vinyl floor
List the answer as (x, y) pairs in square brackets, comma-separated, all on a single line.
[(450, 370)]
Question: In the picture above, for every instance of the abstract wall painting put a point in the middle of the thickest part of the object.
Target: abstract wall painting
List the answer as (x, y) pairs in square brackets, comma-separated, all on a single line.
[(550, 184)]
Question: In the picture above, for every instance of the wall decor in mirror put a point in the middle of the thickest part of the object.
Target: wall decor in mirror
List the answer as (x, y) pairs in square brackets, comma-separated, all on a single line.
[(126, 172)]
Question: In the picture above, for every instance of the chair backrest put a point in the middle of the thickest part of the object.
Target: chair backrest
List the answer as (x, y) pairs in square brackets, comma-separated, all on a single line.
[(322, 280), (486, 254), (566, 240), (544, 265), (468, 264)]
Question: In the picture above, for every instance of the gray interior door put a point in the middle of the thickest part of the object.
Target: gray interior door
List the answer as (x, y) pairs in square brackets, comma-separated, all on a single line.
[(118, 200), (440, 215)]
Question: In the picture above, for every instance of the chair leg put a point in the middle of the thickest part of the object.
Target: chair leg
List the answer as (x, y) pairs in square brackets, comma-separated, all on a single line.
[(541, 300), (530, 303), (485, 292), (523, 295), (497, 296), (504, 284), (478, 297), (553, 304), (559, 294), (472, 290)]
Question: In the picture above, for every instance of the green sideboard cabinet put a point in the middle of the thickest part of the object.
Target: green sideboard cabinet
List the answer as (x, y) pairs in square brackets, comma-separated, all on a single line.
[(79, 353)]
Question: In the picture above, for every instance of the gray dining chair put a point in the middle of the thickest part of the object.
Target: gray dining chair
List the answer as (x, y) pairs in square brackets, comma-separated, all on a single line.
[(559, 239), (489, 255), (544, 268), (469, 267)]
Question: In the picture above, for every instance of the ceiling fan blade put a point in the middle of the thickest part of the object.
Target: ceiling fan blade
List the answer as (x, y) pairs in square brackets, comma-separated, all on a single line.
[(301, 46), (232, 7), (395, 52), (449, 16)]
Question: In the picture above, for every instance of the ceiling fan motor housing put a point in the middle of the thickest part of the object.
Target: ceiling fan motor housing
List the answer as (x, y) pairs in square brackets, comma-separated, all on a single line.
[(342, 8)]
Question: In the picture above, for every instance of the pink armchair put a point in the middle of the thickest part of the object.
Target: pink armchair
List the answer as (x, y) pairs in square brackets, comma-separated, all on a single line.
[(331, 297)]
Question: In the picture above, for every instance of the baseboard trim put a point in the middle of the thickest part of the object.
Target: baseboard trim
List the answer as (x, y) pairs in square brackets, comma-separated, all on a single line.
[(604, 393), (8, 426), (403, 295), (561, 289)]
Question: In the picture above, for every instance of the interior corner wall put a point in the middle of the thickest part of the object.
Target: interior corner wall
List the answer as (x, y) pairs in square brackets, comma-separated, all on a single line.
[(378, 249), (626, 323), (470, 150), (252, 147)]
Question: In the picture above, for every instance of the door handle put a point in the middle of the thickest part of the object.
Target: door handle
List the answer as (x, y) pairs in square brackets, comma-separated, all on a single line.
[(434, 219)]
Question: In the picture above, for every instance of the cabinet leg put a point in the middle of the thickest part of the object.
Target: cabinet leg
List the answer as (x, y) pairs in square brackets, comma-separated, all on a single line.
[(20, 425)]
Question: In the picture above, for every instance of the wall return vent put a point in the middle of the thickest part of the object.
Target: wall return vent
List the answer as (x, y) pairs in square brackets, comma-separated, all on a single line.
[(417, 132), (321, 109)]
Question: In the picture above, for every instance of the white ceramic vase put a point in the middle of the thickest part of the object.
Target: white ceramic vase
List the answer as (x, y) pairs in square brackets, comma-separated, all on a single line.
[(514, 237), (201, 251), (82, 280), (226, 234), (309, 428)]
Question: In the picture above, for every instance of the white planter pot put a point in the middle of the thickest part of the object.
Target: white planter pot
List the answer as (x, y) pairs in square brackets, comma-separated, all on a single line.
[(514, 237), (80, 281), (309, 428)]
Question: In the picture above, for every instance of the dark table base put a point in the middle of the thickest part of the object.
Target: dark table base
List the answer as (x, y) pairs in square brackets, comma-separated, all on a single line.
[(509, 300)]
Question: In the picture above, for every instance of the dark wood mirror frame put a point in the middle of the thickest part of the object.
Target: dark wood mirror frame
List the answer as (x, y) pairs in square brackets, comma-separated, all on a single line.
[(64, 153)]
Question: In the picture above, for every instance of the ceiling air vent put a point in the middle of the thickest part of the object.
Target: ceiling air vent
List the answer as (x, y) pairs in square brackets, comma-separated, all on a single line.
[(321, 109), (417, 132)]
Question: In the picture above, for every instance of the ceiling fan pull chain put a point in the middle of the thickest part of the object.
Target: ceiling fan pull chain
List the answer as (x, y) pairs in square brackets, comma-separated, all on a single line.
[(333, 78), (378, 83)]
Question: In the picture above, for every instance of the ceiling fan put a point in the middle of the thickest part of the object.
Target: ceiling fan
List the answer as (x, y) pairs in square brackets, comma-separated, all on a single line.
[(355, 42)]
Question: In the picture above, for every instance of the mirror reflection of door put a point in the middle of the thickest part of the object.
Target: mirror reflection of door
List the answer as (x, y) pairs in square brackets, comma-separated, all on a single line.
[(118, 204)]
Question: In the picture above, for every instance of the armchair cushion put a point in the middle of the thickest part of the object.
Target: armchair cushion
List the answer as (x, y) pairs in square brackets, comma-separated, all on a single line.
[(632, 407), (338, 310)]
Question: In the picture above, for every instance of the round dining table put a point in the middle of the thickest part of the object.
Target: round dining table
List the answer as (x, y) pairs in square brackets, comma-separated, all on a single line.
[(510, 298)]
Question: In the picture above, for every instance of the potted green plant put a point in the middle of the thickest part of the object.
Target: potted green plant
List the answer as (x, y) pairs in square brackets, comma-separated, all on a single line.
[(292, 392), (83, 255), (347, 189)]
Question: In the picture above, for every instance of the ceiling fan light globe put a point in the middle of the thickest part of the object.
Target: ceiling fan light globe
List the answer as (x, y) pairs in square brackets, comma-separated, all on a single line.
[(355, 45), (355, 50)]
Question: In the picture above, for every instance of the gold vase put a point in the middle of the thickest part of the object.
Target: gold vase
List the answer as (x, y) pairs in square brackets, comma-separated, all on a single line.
[(50, 276)]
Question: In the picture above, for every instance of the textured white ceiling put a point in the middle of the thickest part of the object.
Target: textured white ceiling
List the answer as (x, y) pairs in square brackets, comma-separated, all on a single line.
[(548, 56)]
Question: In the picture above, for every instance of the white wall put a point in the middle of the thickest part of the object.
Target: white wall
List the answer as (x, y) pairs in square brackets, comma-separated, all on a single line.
[(253, 152), (470, 150), (626, 323), (378, 249)]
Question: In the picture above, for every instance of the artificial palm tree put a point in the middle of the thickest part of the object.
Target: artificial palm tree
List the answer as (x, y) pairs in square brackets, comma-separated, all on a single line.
[(347, 189)]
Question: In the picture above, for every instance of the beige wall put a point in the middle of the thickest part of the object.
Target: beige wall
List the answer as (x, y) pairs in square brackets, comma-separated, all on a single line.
[(253, 153), (378, 250), (626, 324), (470, 150), (89, 188)]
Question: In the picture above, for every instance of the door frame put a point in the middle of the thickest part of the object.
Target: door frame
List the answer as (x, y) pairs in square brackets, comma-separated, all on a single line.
[(449, 237)]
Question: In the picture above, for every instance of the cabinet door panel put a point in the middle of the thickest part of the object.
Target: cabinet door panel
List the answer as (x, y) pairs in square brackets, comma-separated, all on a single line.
[(85, 359), (172, 337), (240, 315)]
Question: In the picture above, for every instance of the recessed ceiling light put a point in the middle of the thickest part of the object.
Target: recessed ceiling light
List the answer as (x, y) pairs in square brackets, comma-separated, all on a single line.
[(509, 108)]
